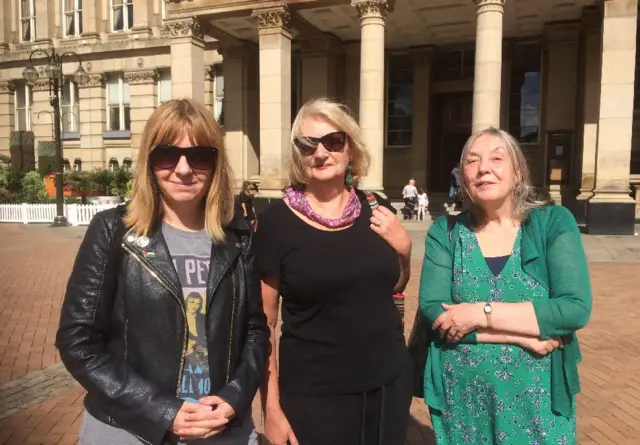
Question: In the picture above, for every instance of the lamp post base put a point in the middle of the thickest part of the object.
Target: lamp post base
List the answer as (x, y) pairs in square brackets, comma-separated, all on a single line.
[(60, 221)]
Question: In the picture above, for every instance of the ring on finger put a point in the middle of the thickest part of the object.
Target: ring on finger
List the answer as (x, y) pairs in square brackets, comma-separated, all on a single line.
[(376, 222)]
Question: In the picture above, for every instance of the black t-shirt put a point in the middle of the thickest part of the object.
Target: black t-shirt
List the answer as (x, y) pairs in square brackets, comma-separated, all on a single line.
[(245, 199), (341, 331)]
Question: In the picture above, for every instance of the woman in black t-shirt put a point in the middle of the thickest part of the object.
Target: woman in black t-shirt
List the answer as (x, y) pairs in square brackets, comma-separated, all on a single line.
[(336, 258)]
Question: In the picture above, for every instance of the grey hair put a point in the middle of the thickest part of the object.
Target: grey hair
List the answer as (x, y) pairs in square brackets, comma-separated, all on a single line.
[(524, 196)]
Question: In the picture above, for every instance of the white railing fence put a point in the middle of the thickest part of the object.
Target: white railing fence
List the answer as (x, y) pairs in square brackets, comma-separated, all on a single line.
[(77, 214)]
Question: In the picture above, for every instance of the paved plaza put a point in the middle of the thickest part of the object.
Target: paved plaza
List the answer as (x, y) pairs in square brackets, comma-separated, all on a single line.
[(41, 404)]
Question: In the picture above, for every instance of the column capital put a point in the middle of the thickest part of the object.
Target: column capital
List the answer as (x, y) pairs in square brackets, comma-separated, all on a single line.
[(191, 27), (95, 80), (373, 8), (209, 73), (142, 77), (7, 87), (489, 6), (272, 20)]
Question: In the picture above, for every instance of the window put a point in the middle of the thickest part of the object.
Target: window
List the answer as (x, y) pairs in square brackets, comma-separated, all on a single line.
[(118, 103), (218, 92), (163, 7), (69, 107), (400, 101), (23, 101), (121, 15), (524, 98), (77, 165), (126, 164), (66, 166), (27, 20), (164, 87), (113, 164), (454, 65), (72, 17)]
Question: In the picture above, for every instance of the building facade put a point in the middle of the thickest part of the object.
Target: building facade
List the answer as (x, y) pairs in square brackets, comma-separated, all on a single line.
[(420, 76)]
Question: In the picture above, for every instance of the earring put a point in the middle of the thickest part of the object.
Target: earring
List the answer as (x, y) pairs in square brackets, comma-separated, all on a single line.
[(349, 178)]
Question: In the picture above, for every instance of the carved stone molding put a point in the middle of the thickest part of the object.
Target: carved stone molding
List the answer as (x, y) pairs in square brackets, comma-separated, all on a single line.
[(7, 87), (191, 27), (95, 80), (142, 77), (373, 8), (489, 6), (40, 85), (272, 19)]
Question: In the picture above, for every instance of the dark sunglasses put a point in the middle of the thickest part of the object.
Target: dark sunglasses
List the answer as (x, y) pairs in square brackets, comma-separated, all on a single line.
[(333, 142), (167, 157)]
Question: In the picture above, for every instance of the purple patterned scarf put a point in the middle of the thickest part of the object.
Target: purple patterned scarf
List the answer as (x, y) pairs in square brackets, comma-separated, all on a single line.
[(298, 202)]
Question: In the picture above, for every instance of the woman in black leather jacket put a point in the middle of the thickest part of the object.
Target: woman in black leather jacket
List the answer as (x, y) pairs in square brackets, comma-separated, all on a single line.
[(162, 321)]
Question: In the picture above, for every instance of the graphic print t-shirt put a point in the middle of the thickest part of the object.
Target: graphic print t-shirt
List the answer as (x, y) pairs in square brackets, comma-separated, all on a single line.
[(191, 254)]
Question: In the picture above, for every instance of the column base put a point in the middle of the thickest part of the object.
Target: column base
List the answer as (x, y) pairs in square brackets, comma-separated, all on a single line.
[(610, 218), (580, 211)]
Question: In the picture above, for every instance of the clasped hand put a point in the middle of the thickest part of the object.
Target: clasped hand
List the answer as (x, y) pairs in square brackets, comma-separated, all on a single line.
[(458, 320), (202, 420)]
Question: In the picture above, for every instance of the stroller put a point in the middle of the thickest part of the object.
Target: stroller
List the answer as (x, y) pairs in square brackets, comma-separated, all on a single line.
[(410, 209)]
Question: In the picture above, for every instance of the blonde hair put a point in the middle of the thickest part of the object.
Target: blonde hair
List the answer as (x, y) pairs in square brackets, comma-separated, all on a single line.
[(169, 122), (340, 117), (524, 197)]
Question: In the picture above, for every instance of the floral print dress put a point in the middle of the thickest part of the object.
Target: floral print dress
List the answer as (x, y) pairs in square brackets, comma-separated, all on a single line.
[(497, 393)]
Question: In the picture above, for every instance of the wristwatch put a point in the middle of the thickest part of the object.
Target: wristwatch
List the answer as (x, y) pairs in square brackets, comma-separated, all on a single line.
[(487, 311)]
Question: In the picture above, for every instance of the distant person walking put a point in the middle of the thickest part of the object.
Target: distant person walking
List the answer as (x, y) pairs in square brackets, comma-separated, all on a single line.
[(423, 202), (454, 185), (410, 196)]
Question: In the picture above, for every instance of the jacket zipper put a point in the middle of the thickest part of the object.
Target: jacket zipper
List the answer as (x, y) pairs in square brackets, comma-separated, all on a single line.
[(233, 313), (184, 314)]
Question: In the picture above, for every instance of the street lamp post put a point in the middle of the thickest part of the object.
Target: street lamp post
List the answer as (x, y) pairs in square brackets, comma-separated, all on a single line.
[(53, 71)]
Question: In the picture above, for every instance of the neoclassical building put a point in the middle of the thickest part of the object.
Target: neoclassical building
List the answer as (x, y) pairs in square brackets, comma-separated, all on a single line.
[(419, 75)]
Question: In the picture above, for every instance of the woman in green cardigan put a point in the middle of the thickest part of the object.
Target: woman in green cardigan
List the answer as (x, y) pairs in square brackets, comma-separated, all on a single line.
[(506, 286)]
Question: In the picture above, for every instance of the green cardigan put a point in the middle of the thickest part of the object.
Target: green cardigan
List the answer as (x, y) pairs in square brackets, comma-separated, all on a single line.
[(552, 253)]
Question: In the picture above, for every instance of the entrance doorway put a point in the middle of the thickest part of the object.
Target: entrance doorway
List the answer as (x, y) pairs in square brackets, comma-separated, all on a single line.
[(451, 124)]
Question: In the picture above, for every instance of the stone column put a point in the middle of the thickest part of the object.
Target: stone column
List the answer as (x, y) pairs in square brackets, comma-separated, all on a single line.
[(5, 27), (241, 110), (320, 62), (612, 210), (488, 66), (421, 98), (562, 44), (591, 63), (187, 58), (93, 117), (91, 23), (373, 14), (45, 21), (7, 115), (144, 99), (142, 18), (209, 77), (275, 98)]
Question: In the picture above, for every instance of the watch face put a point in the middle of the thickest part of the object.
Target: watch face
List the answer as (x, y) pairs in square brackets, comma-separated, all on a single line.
[(487, 308)]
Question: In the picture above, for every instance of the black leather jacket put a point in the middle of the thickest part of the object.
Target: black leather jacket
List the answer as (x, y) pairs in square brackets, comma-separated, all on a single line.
[(123, 333)]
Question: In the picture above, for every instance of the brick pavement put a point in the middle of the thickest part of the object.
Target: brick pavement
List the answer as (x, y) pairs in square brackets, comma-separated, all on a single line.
[(40, 405)]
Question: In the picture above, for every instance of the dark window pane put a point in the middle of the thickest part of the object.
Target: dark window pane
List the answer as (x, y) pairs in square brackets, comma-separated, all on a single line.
[(401, 92), (80, 22), (114, 118), (397, 77), (127, 118), (399, 138), (399, 124), (130, 21), (118, 19)]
